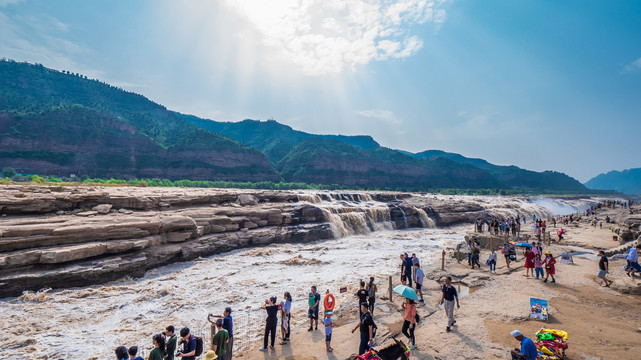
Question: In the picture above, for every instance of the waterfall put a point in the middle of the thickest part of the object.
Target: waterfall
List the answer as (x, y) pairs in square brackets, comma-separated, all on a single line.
[(310, 198), (425, 220), (348, 220)]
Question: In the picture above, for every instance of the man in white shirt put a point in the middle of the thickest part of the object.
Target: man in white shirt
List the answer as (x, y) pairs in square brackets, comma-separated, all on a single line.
[(632, 258)]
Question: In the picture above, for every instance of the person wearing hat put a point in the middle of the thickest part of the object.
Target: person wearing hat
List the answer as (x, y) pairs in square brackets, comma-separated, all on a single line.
[(527, 351), (211, 355), (328, 330), (549, 266)]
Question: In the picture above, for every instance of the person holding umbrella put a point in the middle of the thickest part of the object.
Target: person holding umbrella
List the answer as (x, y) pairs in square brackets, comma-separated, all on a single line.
[(410, 321), (449, 294)]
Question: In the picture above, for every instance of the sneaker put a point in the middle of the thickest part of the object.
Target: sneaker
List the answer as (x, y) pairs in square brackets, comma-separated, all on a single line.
[(610, 283), (271, 347), (553, 280), (453, 322), (262, 349), (545, 280), (310, 328), (316, 328), (283, 342), (448, 329), (421, 301), (412, 347)]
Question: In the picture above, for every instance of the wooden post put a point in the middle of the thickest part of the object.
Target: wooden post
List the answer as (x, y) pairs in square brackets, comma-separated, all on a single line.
[(443, 260), (390, 288)]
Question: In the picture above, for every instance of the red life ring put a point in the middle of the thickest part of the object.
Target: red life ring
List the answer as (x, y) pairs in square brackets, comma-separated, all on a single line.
[(329, 305)]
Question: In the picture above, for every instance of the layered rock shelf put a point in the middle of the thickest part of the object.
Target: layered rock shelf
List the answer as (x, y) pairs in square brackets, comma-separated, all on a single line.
[(62, 237)]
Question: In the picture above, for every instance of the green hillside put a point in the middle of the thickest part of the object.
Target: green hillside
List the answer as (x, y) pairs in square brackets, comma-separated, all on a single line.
[(101, 130), (512, 176)]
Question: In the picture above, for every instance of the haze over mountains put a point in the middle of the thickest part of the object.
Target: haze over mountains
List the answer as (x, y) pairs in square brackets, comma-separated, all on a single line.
[(626, 181), (57, 123)]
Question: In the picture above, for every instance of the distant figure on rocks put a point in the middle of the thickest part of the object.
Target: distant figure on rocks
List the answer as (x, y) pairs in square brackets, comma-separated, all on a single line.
[(121, 353), (449, 294), (371, 294), (527, 350), (549, 266), (171, 343), (133, 351), (604, 268), (314, 304)]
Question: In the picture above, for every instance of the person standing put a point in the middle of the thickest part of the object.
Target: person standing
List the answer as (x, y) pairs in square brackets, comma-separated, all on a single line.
[(420, 276), (538, 266), (121, 353), (371, 294), (270, 324), (476, 253), (403, 278), (362, 294), (171, 343), (529, 262), (549, 266), (287, 317), (328, 331), (133, 351), (410, 322), (447, 298), (188, 342), (505, 250), (314, 304), (528, 349), (492, 261), (159, 348), (219, 340), (604, 268), (228, 324), (469, 252), (367, 328), (415, 264), (408, 270)]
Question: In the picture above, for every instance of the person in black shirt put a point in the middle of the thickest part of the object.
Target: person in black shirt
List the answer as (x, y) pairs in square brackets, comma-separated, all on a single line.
[(272, 321), (604, 268), (367, 327), (362, 294), (449, 294)]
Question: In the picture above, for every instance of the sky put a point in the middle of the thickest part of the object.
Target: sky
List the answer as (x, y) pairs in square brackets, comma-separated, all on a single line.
[(541, 84)]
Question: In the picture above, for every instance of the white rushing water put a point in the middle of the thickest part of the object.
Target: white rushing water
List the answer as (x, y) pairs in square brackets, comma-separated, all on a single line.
[(91, 322)]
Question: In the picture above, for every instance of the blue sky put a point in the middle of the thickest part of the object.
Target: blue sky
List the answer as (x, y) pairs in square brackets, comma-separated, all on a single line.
[(544, 85)]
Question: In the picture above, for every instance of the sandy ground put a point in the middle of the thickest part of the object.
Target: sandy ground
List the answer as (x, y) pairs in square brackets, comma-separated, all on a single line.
[(601, 322)]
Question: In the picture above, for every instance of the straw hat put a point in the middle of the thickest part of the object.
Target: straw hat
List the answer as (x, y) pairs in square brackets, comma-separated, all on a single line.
[(547, 253), (211, 355)]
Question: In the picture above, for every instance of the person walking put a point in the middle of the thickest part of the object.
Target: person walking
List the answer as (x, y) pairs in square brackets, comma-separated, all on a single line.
[(505, 250), (228, 324), (604, 268), (287, 318), (272, 321), (549, 266), (420, 276), (447, 298), (633, 261), (367, 327), (371, 294), (476, 253), (527, 350), (410, 322)]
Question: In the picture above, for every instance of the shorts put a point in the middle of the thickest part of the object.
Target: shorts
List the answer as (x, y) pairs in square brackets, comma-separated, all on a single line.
[(418, 286), (601, 273), (328, 337), (313, 314)]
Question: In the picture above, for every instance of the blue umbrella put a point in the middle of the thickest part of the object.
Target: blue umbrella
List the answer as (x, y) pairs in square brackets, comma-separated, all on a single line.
[(406, 291), (523, 244)]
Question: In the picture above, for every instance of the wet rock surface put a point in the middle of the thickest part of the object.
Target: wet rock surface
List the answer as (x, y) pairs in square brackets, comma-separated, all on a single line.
[(75, 236)]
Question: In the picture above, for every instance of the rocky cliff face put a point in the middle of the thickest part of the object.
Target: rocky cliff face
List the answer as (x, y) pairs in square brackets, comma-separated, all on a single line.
[(75, 236)]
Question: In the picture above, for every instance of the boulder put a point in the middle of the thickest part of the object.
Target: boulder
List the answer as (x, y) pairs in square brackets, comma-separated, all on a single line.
[(87, 213), (247, 199), (102, 208)]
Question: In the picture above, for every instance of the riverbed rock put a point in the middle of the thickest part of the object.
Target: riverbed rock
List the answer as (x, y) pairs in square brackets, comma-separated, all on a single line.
[(102, 208)]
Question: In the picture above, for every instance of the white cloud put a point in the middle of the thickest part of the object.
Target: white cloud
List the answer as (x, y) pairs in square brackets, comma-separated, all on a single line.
[(329, 36), (384, 115), (634, 66)]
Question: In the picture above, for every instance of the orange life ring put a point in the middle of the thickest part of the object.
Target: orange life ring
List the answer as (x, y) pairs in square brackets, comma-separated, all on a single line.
[(329, 305)]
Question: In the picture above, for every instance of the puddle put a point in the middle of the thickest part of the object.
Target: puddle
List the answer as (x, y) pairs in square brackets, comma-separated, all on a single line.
[(463, 289)]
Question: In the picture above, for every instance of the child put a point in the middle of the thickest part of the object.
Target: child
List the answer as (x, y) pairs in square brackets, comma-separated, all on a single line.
[(538, 265), (328, 330)]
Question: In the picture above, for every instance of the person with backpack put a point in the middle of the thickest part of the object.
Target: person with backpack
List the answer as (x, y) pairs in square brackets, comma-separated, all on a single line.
[(371, 294), (271, 323), (410, 321), (190, 345), (368, 330)]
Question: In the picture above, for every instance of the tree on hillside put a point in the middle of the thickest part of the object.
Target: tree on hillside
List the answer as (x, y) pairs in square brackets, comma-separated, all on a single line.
[(8, 172)]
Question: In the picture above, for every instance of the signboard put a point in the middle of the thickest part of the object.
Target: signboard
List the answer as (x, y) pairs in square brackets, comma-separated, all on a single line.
[(344, 289), (566, 257), (539, 309)]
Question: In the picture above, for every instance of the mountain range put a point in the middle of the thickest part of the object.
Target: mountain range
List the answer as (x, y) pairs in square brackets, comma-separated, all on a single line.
[(59, 123), (626, 181)]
